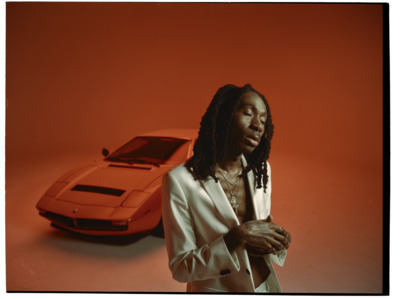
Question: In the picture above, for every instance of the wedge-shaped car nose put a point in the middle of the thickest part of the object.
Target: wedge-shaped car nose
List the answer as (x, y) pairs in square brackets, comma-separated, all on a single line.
[(122, 194)]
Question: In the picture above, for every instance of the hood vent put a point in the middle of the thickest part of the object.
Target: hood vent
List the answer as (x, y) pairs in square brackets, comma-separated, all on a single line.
[(125, 166), (96, 189)]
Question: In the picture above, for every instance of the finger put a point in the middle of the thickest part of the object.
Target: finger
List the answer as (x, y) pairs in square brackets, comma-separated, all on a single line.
[(269, 218), (287, 240), (257, 251), (264, 242), (284, 241), (280, 230), (277, 245), (269, 249), (279, 237), (258, 254), (262, 247)]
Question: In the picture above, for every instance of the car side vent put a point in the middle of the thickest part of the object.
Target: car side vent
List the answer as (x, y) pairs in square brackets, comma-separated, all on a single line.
[(134, 167), (96, 189)]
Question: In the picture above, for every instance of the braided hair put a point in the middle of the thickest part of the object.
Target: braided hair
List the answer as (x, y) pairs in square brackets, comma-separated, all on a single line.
[(212, 143)]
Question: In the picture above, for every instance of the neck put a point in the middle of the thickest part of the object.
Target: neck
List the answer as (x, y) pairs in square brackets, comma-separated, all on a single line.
[(230, 163)]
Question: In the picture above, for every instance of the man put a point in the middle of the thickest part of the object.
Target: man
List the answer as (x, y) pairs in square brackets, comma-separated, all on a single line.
[(219, 234)]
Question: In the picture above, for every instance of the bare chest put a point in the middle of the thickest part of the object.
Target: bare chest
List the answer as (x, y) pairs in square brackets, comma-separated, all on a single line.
[(240, 191), (238, 195)]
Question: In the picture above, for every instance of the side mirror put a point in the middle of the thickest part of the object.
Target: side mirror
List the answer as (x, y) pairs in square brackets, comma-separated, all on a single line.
[(105, 152)]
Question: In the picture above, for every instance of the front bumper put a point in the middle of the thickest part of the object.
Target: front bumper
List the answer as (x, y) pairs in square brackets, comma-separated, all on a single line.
[(98, 220)]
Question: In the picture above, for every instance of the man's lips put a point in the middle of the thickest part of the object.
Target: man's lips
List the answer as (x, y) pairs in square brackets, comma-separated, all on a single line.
[(253, 140)]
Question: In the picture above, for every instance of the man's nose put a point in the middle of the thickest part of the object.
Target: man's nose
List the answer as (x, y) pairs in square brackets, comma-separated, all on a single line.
[(257, 124)]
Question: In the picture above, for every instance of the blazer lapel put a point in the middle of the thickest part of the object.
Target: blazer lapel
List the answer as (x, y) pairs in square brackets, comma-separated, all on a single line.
[(252, 185), (222, 203), (220, 200)]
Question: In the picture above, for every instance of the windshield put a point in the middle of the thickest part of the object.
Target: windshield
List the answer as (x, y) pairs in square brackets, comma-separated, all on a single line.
[(148, 150)]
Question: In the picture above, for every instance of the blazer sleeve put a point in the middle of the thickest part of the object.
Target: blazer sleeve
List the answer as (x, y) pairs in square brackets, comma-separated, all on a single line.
[(188, 261), (280, 257)]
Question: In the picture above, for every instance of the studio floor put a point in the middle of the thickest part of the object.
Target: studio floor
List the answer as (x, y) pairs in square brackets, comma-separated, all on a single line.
[(335, 221)]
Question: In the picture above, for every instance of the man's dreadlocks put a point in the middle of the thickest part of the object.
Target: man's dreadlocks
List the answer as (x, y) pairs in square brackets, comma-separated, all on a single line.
[(212, 143)]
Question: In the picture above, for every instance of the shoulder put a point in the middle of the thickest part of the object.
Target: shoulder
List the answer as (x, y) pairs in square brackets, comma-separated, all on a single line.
[(181, 175), (181, 178), (180, 171)]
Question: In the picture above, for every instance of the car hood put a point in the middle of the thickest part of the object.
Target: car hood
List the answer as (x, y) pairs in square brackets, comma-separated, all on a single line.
[(109, 184)]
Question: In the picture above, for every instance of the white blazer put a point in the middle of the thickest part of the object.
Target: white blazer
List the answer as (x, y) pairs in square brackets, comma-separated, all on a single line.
[(196, 216)]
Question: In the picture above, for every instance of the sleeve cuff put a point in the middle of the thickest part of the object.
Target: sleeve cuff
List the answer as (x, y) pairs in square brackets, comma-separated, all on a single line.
[(279, 258)]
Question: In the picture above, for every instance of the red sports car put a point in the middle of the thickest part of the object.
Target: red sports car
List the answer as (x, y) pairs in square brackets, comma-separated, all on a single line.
[(122, 194)]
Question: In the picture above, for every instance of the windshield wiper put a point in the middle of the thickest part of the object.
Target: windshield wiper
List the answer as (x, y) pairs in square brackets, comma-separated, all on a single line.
[(131, 161)]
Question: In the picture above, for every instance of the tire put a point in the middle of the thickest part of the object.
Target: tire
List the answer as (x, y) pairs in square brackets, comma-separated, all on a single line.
[(158, 231)]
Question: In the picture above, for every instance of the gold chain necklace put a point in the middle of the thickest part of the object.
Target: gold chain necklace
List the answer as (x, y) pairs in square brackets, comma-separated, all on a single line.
[(235, 172), (233, 200)]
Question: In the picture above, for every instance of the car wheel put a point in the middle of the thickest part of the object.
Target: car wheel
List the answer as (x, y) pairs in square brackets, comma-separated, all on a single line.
[(158, 231)]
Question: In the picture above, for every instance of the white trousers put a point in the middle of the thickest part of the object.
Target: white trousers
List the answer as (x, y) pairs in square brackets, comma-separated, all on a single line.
[(263, 288)]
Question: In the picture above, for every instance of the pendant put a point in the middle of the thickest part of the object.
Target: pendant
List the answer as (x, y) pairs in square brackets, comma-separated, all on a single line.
[(234, 204)]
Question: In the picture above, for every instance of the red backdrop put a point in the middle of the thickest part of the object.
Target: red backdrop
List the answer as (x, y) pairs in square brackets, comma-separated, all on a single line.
[(81, 76)]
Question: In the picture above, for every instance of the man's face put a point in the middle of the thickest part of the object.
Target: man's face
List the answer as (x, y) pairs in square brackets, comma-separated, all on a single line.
[(248, 124)]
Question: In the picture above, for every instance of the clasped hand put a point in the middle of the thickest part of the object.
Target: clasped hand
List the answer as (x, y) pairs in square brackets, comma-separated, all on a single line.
[(263, 237)]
